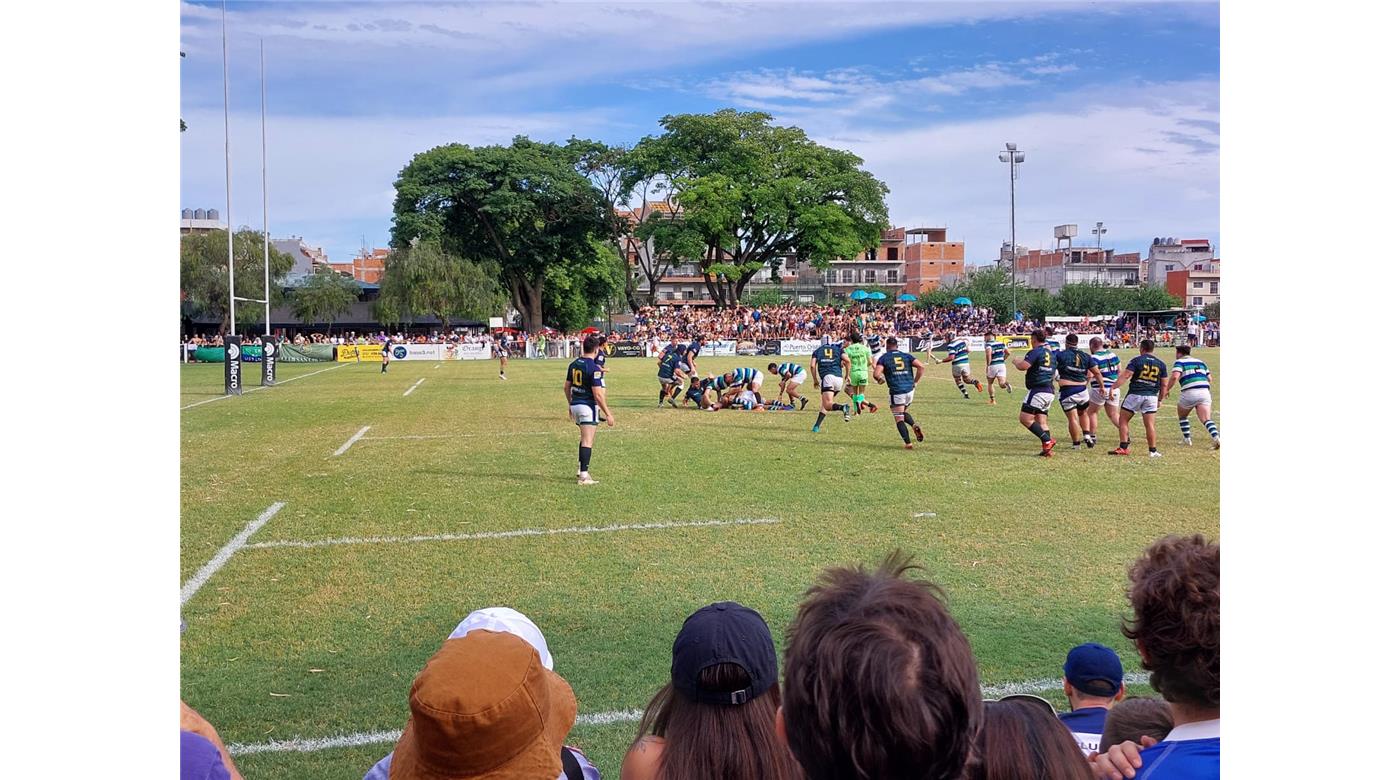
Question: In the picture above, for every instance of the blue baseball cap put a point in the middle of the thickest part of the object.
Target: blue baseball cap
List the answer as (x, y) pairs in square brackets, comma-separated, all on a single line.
[(724, 632), (1094, 669)]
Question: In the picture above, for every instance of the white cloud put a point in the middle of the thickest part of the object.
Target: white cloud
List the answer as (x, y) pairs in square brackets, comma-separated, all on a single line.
[(1143, 160)]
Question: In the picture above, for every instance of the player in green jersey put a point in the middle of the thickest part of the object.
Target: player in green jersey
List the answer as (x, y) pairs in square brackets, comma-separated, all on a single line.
[(858, 352)]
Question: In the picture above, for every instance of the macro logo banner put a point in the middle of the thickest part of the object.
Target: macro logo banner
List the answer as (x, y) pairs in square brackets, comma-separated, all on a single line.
[(233, 365), (269, 361)]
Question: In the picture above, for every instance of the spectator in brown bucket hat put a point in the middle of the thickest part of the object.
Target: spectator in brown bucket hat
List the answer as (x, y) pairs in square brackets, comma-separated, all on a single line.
[(485, 708)]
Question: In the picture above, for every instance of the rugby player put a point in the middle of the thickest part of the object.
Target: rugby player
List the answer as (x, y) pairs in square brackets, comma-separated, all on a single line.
[(502, 349), (384, 358), (1144, 377), (957, 355), (1106, 399), (699, 393), (996, 367), (791, 377), (587, 396), (748, 378), (602, 358), (1193, 376), (1075, 368), (830, 366), (859, 355), (668, 373), (1039, 365), (902, 372), (688, 354)]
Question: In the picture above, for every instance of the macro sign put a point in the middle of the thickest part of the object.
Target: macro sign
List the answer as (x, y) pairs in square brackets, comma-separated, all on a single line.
[(233, 365), (269, 361)]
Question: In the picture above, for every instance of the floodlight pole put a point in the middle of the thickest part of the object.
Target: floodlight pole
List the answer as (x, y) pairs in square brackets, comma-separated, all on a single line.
[(267, 279), (1013, 157), (228, 175)]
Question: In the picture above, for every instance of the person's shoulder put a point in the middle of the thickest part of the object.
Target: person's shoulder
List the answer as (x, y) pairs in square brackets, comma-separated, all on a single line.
[(1188, 759)]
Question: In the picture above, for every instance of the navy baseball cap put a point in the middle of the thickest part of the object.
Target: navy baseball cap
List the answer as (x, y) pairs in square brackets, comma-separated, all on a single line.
[(721, 633), (1094, 669)]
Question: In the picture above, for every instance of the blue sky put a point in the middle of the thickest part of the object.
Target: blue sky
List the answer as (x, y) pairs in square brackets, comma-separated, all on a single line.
[(1116, 104)]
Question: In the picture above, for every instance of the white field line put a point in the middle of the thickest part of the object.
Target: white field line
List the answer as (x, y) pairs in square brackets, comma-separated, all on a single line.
[(361, 738), (220, 558), (350, 442), (415, 387), (511, 434), (260, 387), (578, 529), (926, 514)]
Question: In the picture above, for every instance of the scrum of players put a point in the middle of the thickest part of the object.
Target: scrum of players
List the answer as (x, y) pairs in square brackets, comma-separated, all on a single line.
[(1083, 382)]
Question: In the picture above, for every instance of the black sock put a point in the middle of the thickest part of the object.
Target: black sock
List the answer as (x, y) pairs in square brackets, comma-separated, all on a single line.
[(903, 430), (585, 454), (909, 418), (1040, 433), (820, 416), (1122, 445)]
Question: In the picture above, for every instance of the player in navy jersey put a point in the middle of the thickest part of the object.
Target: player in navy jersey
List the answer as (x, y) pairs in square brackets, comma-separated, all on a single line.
[(1144, 375), (902, 372), (1076, 369), (698, 393), (669, 374), (1039, 365), (602, 357), (791, 377), (830, 367), (587, 396), (688, 354)]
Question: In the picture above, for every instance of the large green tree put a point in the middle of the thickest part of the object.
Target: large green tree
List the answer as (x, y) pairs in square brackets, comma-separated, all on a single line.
[(324, 296), (425, 279), (751, 193), (204, 274), (525, 207)]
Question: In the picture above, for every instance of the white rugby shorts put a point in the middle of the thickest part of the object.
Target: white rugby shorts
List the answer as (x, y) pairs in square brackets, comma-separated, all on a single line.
[(1190, 399), (1039, 401), (1140, 404), (1068, 402), (584, 414), (962, 369), (833, 383), (1095, 397), (997, 371), (902, 399)]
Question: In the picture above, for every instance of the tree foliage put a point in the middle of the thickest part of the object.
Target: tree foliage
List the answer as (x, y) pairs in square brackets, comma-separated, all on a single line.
[(424, 279), (524, 207), (204, 274), (765, 296), (324, 296), (749, 193), (991, 287)]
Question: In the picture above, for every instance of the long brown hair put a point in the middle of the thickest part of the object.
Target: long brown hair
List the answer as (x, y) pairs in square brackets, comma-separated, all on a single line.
[(707, 741), (1023, 741)]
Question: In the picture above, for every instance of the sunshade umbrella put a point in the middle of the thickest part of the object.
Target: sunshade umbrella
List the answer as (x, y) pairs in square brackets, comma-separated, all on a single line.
[(962, 301), (908, 297), (877, 296), (859, 295)]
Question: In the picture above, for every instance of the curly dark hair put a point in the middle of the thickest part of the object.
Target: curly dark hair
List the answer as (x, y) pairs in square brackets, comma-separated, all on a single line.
[(1175, 592)]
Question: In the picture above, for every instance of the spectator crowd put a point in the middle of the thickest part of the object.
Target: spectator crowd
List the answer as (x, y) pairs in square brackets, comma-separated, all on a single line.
[(878, 681)]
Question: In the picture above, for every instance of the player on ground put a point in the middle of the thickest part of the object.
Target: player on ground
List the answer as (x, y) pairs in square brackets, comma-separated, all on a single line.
[(698, 393), (996, 367), (958, 356), (1076, 368), (1193, 376), (791, 377), (668, 373), (859, 355), (1039, 365), (587, 396), (501, 347), (384, 358), (1147, 373), (1107, 399), (830, 367), (902, 372)]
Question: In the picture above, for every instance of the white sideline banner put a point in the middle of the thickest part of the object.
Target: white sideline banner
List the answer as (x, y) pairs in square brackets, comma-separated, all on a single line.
[(719, 349), (416, 352), (473, 351), (798, 346)]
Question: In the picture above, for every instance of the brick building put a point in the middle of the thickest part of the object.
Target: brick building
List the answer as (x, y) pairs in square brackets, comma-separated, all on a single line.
[(1052, 270), (1197, 286), (1170, 254)]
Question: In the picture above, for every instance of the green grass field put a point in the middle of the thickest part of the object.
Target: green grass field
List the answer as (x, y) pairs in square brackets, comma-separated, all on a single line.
[(294, 642)]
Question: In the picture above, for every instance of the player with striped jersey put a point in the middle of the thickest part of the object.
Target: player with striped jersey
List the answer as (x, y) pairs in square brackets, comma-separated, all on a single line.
[(958, 356), (996, 367), (791, 377), (1106, 399), (750, 378), (1194, 379)]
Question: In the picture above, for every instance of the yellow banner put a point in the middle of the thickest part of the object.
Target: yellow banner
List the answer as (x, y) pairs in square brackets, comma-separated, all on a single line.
[(352, 353)]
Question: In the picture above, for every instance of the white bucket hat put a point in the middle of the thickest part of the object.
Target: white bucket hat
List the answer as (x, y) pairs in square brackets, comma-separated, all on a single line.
[(508, 621)]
